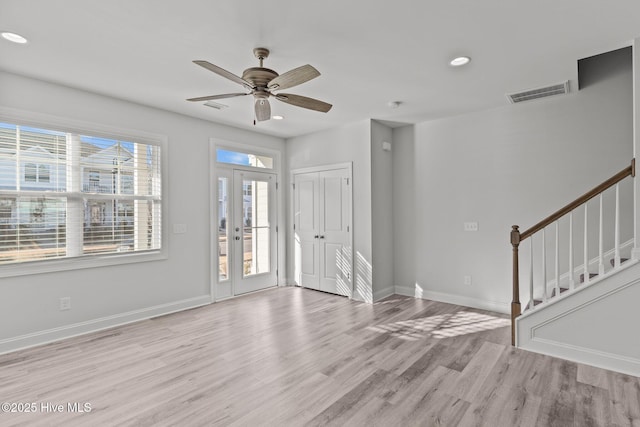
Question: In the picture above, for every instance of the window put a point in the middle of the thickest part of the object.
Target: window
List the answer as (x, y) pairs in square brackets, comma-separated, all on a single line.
[(246, 189), (43, 173), (244, 159), (37, 173), (100, 195), (30, 172)]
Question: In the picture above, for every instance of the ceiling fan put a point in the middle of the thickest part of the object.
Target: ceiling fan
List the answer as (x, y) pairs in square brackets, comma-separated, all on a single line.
[(262, 81)]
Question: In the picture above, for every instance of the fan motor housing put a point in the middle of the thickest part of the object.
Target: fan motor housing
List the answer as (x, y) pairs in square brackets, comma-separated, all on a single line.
[(259, 76)]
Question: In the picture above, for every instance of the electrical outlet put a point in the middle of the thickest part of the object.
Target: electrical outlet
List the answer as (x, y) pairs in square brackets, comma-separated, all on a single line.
[(467, 280), (65, 303), (471, 226)]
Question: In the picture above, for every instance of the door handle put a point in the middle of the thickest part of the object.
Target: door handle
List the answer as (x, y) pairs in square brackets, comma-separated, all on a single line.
[(237, 237), (322, 237), (316, 236)]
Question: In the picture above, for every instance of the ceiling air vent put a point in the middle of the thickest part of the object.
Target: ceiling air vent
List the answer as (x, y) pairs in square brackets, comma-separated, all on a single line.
[(543, 92), (215, 105)]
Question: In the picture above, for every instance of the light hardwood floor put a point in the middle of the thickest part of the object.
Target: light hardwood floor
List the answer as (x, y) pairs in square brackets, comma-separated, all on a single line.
[(292, 357)]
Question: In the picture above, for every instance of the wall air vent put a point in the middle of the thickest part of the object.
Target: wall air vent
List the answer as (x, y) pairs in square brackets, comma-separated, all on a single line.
[(542, 92), (215, 105)]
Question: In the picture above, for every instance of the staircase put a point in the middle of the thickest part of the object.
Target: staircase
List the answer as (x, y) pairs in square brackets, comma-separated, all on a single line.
[(582, 282)]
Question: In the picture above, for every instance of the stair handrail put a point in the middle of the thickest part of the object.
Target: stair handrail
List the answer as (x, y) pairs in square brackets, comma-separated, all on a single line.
[(516, 236)]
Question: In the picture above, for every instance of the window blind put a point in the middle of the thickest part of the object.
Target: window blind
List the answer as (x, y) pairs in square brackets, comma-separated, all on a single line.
[(70, 195)]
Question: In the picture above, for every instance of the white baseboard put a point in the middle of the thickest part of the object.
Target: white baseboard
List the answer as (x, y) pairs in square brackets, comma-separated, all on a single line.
[(499, 307), (94, 325), (599, 359), (383, 293)]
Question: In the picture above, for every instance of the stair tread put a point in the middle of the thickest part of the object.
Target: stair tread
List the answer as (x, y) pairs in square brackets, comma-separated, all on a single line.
[(591, 276), (562, 290), (613, 261)]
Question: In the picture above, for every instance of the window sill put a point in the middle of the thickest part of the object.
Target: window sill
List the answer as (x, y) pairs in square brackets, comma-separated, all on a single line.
[(67, 264)]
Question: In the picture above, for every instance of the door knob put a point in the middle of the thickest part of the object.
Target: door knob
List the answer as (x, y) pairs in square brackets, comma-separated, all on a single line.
[(316, 236), (322, 237)]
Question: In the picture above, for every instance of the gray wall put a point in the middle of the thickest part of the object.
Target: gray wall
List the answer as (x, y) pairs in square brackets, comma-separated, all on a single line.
[(29, 304), (511, 165), (382, 211), (404, 205), (350, 143)]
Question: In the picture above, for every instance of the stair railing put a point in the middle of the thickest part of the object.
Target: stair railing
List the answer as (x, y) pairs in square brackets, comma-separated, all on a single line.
[(517, 237)]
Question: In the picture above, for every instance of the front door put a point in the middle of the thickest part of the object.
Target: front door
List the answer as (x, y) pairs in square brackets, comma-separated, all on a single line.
[(246, 232), (254, 231)]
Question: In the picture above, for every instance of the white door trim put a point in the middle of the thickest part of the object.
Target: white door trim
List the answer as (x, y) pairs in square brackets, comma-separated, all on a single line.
[(322, 168)]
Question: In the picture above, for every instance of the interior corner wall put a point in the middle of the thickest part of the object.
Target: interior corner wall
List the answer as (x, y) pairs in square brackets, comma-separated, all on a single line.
[(382, 210), (109, 295), (404, 210), (349, 143), (510, 165)]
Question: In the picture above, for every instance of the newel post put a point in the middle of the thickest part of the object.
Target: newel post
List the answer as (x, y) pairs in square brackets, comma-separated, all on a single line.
[(515, 304)]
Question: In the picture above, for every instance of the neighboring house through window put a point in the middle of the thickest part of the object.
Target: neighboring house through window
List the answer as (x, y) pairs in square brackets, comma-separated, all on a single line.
[(89, 204)]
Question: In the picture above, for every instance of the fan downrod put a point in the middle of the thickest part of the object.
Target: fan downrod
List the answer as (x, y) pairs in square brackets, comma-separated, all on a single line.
[(261, 53)]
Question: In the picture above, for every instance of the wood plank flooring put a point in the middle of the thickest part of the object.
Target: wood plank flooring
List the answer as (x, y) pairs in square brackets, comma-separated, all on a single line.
[(295, 357)]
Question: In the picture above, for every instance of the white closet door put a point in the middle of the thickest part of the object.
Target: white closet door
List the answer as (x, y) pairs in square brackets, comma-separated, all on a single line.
[(306, 234), (322, 212), (335, 256)]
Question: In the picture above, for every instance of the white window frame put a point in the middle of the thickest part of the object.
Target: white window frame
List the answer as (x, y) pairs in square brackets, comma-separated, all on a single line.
[(50, 122)]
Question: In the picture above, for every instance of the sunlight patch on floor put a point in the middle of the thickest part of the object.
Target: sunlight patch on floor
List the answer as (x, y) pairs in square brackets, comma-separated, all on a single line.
[(441, 326)]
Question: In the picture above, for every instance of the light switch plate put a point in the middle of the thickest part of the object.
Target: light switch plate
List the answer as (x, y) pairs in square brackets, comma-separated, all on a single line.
[(179, 228)]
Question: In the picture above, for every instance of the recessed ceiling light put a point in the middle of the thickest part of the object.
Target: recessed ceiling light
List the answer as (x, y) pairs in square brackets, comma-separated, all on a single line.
[(278, 117), (459, 61), (13, 37)]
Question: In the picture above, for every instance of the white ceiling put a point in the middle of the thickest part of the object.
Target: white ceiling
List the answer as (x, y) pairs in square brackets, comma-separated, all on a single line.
[(369, 52)]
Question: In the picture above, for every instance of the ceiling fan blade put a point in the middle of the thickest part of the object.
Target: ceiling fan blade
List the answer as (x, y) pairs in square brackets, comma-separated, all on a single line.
[(224, 73), (304, 102), (293, 77), (263, 110), (225, 95)]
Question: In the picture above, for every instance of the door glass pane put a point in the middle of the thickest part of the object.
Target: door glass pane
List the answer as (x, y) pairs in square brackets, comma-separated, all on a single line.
[(223, 215), (257, 237)]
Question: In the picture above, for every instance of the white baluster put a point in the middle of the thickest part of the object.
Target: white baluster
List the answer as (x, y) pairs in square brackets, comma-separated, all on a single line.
[(616, 256), (600, 243), (531, 303), (571, 281), (544, 265), (557, 262), (585, 265)]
